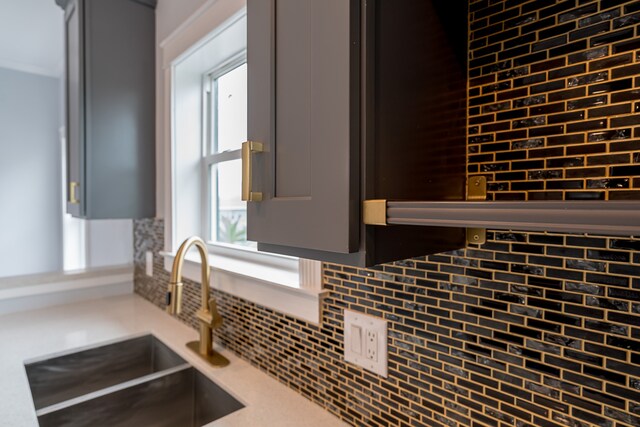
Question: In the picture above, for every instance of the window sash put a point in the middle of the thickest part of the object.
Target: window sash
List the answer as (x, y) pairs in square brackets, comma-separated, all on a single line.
[(211, 158), (210, 87)]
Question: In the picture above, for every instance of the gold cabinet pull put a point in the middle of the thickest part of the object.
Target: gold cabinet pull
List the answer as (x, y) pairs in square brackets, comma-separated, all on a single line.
[(73, 187), (248, 148)]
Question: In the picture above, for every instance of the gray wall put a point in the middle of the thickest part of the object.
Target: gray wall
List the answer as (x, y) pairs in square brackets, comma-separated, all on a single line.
[(30, 174)]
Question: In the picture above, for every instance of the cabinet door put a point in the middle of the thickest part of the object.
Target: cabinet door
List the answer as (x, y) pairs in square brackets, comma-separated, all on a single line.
[(74, 107), (110, 108), (119, 92), (303, 66)]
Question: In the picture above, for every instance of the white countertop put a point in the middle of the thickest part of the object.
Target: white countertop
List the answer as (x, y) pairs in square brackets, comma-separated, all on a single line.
[(37, 333)]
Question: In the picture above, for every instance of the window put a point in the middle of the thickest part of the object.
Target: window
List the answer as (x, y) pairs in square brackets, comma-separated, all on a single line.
[(225, 113), (204, 85)]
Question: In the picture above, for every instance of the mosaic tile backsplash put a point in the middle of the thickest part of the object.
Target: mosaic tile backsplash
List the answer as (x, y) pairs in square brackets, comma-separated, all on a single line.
[(529, 329), (554, 96)]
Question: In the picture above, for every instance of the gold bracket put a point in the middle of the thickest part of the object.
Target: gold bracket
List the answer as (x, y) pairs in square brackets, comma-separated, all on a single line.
[(374, 212), (477, 188), (476, 236), (476, 191)]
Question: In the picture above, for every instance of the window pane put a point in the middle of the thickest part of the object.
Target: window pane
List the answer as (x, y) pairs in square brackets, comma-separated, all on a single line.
[(231, 108), (228, 212)]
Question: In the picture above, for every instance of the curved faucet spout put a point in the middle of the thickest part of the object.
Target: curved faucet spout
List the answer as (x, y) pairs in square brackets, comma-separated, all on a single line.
[(174, 293), (208, 314)]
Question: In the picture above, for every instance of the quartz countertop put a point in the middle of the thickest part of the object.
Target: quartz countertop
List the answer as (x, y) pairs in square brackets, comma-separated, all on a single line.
[(38, 333)]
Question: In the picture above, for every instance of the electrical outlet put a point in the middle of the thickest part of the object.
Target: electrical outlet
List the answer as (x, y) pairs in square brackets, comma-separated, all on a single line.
[(148, 263), (365, 341), (372, 345)]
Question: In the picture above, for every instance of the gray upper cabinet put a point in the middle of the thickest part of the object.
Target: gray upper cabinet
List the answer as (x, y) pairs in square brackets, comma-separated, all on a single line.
[(352, 100), (110, 107)]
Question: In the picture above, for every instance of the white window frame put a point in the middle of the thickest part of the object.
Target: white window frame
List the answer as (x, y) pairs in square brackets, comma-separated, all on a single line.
[(209, 158), (286, 284)]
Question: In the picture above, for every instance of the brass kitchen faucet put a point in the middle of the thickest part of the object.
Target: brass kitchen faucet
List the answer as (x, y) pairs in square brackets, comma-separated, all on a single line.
[(208, 314)]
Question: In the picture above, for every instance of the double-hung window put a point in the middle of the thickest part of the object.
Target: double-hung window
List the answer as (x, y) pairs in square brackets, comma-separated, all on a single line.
[(225, 128)]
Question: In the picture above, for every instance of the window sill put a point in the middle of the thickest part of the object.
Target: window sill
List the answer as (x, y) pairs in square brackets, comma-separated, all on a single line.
[(265, 285), (30, 292)]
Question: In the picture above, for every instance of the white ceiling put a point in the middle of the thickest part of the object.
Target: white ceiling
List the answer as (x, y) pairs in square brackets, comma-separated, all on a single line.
[(32, 36)]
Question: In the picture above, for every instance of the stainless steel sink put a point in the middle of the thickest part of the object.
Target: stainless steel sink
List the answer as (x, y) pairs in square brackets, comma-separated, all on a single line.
[(138, 381), (64, 376)]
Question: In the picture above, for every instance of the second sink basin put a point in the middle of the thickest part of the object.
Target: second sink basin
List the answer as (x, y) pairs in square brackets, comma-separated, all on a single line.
[(138, 381), (71, 374)]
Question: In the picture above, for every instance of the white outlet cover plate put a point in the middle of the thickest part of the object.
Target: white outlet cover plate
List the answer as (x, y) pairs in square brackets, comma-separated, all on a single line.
[(356, 326), (149, 263)]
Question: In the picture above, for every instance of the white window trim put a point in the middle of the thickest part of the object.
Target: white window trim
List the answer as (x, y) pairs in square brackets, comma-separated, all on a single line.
[(285, 284), (209, 158)]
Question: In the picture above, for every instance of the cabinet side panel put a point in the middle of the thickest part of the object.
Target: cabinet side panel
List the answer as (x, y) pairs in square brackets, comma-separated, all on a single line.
[(416, 124), (120, 50), (420, 100), (397, 242), (74, 107)]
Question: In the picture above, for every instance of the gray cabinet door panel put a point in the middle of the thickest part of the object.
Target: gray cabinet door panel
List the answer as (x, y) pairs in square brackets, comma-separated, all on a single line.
[(294, 98), (120, 115), (300, 63), (110, 107)]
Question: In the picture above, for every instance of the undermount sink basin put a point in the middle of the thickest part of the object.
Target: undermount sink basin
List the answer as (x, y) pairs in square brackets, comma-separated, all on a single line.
[(61, 377), (137, 381)]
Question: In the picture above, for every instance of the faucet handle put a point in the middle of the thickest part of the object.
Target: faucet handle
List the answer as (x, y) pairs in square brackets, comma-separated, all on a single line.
[(173, 298), (216, 318)]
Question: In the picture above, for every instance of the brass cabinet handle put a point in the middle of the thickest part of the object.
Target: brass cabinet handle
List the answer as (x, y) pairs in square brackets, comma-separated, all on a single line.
[(248, 148), (73, 187)]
